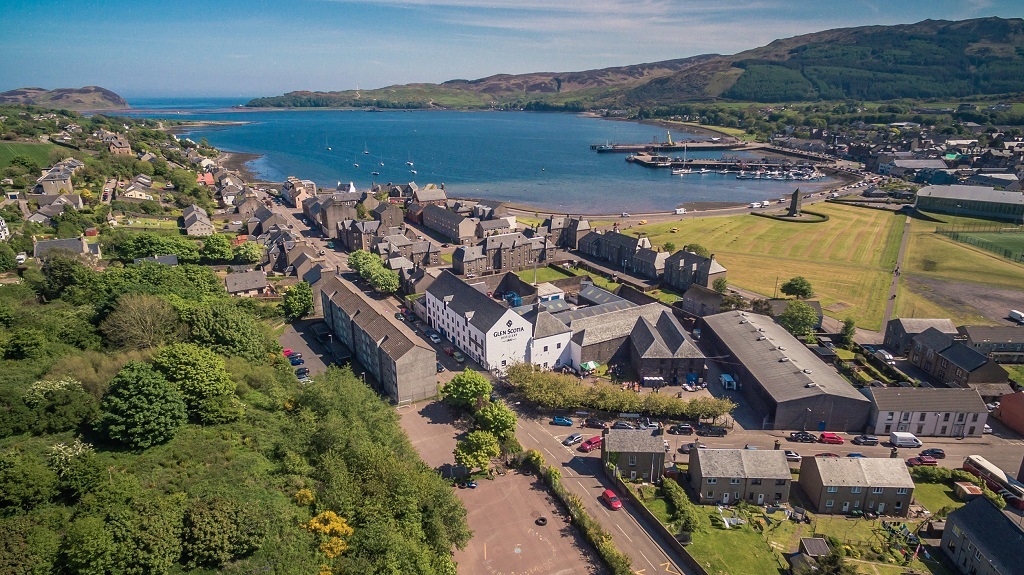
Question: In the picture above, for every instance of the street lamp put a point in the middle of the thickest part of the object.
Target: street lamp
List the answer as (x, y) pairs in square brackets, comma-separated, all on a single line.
[(363, 376)]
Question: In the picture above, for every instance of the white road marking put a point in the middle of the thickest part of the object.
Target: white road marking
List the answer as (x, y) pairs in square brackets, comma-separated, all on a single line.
[(532, 437), (624, 533)]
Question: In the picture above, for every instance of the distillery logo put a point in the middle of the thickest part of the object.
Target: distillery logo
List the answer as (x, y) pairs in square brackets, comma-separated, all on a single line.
[(510, 332)]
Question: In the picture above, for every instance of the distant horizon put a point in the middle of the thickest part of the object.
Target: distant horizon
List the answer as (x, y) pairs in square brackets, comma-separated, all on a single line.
[(270, 48)]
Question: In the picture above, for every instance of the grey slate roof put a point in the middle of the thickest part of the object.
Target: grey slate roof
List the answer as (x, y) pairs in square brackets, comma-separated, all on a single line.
[(168, 260), (73, 245), (932, 338), (927, 399), (994, 533), (663, 338), (633, 441), (463, 298), (700, 294), (743, 463), (611, 325), (245, 281), (976, 193), (393, 336), (863, 471), (597, 295), (491, 225), (570, 316), (760, 344), (918, 325), (544, 324), (429, 195), (984, 333), (504, 241), (962, 356), (468, 253)]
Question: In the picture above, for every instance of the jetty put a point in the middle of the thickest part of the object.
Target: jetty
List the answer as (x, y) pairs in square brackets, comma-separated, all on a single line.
[(669, 145), (649, 160)]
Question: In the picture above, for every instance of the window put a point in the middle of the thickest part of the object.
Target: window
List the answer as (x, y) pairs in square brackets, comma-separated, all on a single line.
[(545, 348), (755, 482), (833, 489), (632, 461), (734, 481), (856, 503), (902, 491), (778, 496), (877, 490), (942, 430), (905, 416), (504, 363), (974, 417), (559, 346), (855, 490), (971, 431), (920, 429), (889, 416), (960, 417), (712, 480), (711, 494), (899, 505), (945, 417), (921, 417), (780, 482), (829, 503)]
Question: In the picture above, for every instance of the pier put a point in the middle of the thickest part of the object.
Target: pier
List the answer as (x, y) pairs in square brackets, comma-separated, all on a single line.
[(663, 147), (719, 165)]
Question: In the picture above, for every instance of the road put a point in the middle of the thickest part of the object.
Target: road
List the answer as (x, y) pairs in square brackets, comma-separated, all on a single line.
[(581, 474)]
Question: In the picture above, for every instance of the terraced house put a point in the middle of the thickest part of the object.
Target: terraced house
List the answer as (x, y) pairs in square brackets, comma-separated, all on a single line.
[(733, 475), (845, 484)]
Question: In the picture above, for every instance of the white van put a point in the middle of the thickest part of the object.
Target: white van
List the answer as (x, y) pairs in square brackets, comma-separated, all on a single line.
[(885, 357), (755, 204), (680, 211), (904, 439)]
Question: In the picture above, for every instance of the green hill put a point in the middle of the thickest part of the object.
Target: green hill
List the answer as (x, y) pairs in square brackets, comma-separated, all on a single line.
[(87, 98), (929, 59)]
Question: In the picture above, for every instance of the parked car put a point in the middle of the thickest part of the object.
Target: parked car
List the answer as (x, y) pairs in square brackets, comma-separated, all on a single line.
[(831, 438), (712, 431), (459, 358), (922, 460), (561, 420), (302, 371), (287, 351), (434, 338), (299, 361), (802, 437), (440, 367), (986, 429), (611, 499), (826, 454), (591, 444), (595, 423), (865, 440), (681, 429), (573, 439), (295, 355), (622, 425), (688, 447), (399, 316), (448, 350), (793, 456), (934, 452), (856, 455)]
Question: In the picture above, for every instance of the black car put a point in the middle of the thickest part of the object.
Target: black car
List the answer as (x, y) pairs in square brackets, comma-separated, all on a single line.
[(595, 423), (440, 367), (302, 371), (681, 429), (934, 452), (711, 431), (865, 440), (802, 437)]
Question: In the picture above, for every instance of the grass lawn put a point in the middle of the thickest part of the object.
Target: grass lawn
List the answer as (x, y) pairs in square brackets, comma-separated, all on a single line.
[(446, 258), (935, 496), (934, 256), (38, 152), (544, 274), (156, 223), (847, 259), (1016, 373), (734, 551)]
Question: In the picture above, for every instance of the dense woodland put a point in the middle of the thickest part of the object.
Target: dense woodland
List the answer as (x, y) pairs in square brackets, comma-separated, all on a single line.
[(149, 424)]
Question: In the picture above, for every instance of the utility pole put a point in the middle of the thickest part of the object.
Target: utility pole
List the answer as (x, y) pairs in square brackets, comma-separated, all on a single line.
[(776, 296)]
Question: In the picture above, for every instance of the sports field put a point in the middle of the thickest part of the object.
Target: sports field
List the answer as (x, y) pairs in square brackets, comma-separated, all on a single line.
[(38, 152), (1011, 241), (938, 257), (848, 259)]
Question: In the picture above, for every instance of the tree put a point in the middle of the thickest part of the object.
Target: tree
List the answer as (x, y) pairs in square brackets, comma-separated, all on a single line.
[(496, 418), (477, 450), (799, 318), (141, 408), (761, 306), (88, 548), (7, 258), (26, 343), (298, 301), (370, 266), (227, 329), (669, 246), (358, 259), (732, 302), (184, 181), (720, 285), (798, 287), (199, 374), (384, 280), (697, 249), (216, 249), (217, 530), (832, 564), (467, 389), (848, 331), (141, 321), (248, 253)]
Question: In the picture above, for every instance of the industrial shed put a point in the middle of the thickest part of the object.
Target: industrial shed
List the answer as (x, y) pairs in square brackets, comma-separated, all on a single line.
[(782, 380)]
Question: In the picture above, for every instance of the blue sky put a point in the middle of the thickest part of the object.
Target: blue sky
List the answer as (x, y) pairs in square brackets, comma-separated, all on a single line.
[(267, 47)]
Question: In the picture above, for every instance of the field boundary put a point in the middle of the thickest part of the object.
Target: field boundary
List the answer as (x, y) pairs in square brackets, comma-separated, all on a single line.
[(962, 233)]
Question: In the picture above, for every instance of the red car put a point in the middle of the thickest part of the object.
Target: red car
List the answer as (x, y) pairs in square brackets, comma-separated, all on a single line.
[(591, 444), (826, 455), (287, 351), (832, 438), (922, 460), (611, 499), (449, 350)]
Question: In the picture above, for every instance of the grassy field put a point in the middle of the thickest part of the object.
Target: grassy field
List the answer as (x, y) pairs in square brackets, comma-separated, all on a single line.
[(1016, 373), (848, 259), (935, 496), (1012, 242), (547, 274), (935, 256), (38, 152), (733, 551)]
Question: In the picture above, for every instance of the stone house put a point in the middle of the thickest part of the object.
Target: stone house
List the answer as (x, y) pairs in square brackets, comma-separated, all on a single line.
[(683, 269), (758, 477), (633, 453), (842, 485), (926, 411)]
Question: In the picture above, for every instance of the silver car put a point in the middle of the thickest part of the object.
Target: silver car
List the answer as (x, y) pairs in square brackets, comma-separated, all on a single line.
[(573, 439)]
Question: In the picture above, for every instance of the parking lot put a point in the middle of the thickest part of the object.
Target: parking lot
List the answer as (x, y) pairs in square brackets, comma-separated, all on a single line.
[(502, 511)]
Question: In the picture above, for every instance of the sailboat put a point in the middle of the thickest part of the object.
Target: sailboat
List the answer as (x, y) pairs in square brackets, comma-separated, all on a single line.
[(365, 149), (354, 162), (409, 162)]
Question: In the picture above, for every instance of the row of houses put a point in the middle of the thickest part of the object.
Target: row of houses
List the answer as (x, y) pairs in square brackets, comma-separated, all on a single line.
[(635, 255)]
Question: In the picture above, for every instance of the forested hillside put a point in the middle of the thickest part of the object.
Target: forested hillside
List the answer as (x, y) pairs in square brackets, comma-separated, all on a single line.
[(150, 425)]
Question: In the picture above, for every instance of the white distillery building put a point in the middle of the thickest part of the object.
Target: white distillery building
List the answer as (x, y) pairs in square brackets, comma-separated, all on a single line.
[(484, 329)]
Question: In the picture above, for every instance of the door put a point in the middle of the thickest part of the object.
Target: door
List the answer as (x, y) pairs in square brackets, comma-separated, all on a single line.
[(632, 474), (725, 497), (846, 506), (881, 508), (760, 498)]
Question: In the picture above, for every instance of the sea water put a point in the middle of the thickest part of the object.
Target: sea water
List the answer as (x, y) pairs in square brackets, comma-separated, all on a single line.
[(536, 159)]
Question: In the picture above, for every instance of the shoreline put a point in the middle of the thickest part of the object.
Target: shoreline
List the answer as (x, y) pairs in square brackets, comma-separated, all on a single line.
[(236, 162)]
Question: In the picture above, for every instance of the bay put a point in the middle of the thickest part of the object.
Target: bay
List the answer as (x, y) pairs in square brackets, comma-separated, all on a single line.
[(536, 159)]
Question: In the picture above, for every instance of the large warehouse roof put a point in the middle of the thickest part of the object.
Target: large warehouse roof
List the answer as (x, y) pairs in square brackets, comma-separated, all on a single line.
[(783, 366)]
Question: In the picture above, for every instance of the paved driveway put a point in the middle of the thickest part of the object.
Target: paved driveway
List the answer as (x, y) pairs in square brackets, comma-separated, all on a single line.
[(503, 511)]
